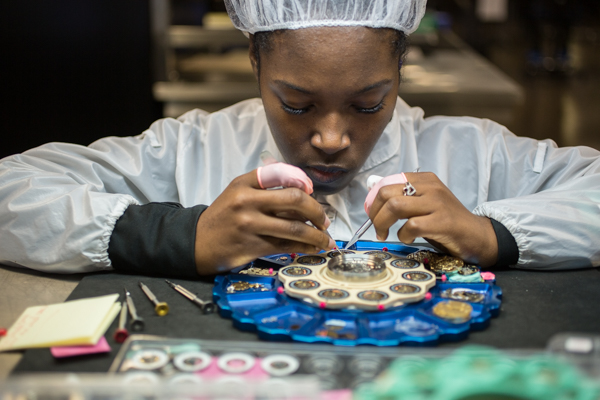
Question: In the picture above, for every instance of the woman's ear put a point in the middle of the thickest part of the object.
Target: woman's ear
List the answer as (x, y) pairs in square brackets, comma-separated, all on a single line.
[(252, 54)]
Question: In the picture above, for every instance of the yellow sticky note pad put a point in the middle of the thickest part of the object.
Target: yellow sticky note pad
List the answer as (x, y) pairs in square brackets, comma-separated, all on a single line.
[(76, 322)]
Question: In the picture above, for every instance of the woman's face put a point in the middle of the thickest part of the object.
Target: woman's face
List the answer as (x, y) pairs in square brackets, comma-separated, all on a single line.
[(328, 94)]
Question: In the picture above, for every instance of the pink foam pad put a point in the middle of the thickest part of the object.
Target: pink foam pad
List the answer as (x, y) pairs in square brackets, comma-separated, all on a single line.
[(286, 175), (71, 351), (397, 179), (488, 276)]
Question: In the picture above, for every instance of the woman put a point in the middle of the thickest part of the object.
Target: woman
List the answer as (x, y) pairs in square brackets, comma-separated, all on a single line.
[(328, 74)]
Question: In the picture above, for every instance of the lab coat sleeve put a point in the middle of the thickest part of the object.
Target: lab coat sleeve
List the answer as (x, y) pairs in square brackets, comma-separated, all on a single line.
[(59, 202), (547, 197)]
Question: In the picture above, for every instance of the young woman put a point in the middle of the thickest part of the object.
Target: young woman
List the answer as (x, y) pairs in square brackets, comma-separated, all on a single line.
[(184, 197)]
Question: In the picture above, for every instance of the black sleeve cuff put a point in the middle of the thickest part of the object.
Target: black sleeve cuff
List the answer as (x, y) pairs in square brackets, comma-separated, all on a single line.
[(508, 251), (156, 239)]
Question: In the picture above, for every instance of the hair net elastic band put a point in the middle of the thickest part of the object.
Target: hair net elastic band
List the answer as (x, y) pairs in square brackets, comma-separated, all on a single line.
[(253, 16)]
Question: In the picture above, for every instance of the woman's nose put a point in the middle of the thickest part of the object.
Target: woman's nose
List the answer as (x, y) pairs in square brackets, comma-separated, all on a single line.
[(331, 134)]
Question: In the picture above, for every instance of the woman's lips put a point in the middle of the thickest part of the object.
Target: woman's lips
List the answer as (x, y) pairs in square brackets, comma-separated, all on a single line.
[(325, 175)]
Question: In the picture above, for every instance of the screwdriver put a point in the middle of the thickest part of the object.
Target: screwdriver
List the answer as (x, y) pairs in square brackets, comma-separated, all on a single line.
[(121, 332), (137, 323), (205, 306), (160, 307)]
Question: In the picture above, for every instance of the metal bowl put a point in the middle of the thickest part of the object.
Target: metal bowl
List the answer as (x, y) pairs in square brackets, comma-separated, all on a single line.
[(356, 268)]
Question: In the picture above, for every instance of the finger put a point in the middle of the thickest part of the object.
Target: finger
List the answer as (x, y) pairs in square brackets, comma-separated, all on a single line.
[(398, 208), (296, 202), (277, 245), (282, 174), (294, 231), (413, 228)]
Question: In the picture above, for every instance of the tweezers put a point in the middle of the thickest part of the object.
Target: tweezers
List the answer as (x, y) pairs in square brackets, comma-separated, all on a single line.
[(361, 231)]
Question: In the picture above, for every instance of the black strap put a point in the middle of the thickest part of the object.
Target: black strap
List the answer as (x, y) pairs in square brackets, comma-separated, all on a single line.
[(156, 239), (508, 251)]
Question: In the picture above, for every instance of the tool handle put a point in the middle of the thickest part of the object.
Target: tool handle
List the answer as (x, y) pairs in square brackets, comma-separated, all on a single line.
[(207, 307), (161, 308), (137, 324), (120, 335)]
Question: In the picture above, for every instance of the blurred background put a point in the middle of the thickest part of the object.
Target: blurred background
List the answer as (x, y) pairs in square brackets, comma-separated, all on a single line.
[(76, 71)]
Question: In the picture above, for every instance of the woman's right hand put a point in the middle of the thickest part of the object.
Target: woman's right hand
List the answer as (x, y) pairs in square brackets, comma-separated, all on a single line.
[(246, 222)]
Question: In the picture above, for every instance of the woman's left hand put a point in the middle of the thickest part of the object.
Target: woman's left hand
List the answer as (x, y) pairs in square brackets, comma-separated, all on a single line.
[(435, 214)]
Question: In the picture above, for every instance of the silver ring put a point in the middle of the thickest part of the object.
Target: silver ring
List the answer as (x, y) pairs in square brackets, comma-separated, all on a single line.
[(280, 364), (192, 361), (409, 190)]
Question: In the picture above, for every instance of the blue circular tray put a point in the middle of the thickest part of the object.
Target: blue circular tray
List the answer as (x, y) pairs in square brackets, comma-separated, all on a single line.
[(279, 317)]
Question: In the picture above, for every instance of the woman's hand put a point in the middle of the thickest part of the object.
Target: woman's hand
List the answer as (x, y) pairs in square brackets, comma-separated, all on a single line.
[(436, 215), (246, 222)]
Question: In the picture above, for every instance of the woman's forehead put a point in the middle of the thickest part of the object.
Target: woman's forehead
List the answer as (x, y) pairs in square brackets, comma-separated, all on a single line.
[(352, 35), (335, 52)]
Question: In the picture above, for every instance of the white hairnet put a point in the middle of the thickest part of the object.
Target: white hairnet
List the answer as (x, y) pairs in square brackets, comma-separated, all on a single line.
[(268, 15)]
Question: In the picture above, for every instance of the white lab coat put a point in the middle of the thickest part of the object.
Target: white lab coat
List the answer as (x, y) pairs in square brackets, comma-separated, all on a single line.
[(59, 202)]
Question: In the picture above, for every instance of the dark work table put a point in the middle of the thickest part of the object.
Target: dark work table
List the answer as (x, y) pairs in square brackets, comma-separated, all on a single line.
[(536, 305)]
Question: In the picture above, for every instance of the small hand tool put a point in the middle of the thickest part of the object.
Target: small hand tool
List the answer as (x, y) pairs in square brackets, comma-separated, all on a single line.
[(368, 223), (121, 333), (207, 307), (137, 323), (361, 231), (160, 307)]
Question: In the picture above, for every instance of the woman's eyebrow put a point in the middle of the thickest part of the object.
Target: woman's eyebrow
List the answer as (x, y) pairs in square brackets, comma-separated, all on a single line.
[(293, 87), (360, 91), (374, 86)]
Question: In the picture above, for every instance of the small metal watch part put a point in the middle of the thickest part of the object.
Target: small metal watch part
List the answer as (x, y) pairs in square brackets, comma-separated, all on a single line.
[(304, 284), (404, 263), (468, 270), (417, 276), (384, 255), (258, 271), (340, 253), (311, 260), (453, 311), (463, 295), (333, 294), (241, 286), (372, 295), (296, 271), (405, 288)]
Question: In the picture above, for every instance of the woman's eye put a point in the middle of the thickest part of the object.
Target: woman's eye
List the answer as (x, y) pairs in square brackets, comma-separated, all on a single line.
[(292, 110), (371, 110)]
